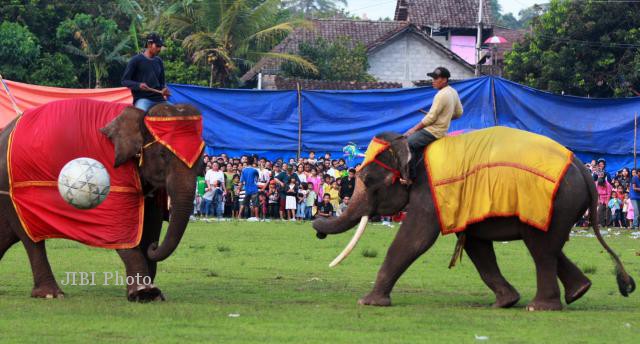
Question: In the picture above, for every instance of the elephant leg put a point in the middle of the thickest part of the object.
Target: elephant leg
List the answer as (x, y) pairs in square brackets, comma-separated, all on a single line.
[(7, 238), (545, 253), (44, 283), (483, 257), (139, 284), (151, 232), (411, 241), (574, 281)]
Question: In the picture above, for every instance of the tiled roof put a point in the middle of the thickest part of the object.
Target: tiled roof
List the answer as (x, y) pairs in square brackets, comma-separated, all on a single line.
[(443, 13), (371, 34), (366, 32), (511, 35), (291, 84)]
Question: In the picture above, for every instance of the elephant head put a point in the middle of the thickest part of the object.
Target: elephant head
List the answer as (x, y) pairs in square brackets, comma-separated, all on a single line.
[(378, 190), (160, 167)]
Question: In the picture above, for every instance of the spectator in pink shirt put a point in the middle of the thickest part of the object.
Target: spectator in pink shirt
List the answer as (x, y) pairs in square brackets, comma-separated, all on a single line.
[(604, 191), (315, 179)]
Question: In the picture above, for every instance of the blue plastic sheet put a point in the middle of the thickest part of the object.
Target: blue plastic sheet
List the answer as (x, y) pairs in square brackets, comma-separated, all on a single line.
[(331, 119), (267, 123), (592, 128)]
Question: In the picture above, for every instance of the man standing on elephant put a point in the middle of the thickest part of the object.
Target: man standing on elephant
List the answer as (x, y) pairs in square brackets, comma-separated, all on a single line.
[(446, 106), (144, 75)]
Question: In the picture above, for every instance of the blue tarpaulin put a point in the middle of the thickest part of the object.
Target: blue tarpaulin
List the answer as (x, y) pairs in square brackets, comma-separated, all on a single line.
[(274, 123)]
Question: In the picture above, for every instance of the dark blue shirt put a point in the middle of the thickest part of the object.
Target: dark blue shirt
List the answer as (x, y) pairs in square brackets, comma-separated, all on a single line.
[(250, 179), (142, 69), (634, 195)]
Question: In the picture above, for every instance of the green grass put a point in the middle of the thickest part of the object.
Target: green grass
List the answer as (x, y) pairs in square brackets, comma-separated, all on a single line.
[(274, 279)]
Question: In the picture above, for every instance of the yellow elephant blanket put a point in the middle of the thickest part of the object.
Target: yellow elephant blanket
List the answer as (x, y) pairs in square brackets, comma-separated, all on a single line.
[(495, 172)]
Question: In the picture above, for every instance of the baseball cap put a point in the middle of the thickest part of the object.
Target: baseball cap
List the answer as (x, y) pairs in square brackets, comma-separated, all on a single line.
[(155, 38), (440, 72)]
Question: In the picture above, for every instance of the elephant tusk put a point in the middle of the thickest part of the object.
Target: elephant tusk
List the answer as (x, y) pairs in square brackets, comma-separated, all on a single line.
[(356, 237)]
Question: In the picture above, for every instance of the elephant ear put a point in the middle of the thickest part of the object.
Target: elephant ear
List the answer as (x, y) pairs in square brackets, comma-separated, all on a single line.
[(402, 155), (125, 133)]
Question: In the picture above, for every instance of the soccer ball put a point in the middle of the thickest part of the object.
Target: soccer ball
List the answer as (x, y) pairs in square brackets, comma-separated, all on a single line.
[(84, 183)]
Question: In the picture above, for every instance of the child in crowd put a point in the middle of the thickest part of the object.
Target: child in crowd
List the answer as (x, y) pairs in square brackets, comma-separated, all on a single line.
[(303, 192), (236, 192), (343, 206), (316, 180), (218, 200), (241, 196), (326, 185), (615, 207), (290, 202), (311, 201), (325, 209), (626, 205), (274, 200), (207, 200), (631, 212), (263, 207), (312, 157), (334, 192)]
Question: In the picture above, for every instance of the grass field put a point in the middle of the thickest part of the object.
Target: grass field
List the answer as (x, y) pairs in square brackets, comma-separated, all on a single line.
[(270, 282)]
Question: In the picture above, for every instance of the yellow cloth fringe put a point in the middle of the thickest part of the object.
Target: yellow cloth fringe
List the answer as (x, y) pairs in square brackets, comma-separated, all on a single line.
[(375, 148), (495, 172)]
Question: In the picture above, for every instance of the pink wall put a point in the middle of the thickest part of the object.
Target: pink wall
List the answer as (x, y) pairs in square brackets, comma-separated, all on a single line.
[(465, 47)]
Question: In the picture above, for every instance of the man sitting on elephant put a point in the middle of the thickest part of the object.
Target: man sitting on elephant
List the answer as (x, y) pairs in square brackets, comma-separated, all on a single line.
[(144, 75), (446, 106)]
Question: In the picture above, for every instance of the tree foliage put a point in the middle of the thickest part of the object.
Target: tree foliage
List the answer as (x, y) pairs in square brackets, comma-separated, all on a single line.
[(229, 37), (314, 8), (19, 50), (79, 43), (581, 48), (340, 60), (98, 40), (54, 70)]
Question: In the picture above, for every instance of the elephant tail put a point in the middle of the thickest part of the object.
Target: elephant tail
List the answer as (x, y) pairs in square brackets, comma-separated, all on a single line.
[(626, 284)]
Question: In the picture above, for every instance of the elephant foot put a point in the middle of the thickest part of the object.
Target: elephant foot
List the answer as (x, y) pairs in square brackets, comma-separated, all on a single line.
[(144, 293), (506, 300), (375, 300), (544, 306), (47, 292), (576, 293)]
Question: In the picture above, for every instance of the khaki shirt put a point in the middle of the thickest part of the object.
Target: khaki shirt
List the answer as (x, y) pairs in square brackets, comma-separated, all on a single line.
[(446, 106)]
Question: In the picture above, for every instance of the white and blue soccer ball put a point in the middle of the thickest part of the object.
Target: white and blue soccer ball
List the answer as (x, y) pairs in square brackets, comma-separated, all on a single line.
[(84, 183)]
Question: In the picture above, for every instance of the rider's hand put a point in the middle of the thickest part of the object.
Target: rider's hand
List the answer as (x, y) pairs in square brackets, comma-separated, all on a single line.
[(166, 93)]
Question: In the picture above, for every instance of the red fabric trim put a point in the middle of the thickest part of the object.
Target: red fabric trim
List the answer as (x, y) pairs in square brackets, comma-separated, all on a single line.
[(396, 173), (496, 164), (462, 228), (375, 151), (181, 135), (488, 216)]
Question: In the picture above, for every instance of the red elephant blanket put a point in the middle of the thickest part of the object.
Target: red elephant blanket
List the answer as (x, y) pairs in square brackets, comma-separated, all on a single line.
[(495, 172), (43, 141)]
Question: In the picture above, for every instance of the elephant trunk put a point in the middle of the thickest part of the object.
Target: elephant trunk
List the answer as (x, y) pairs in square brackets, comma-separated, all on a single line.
[(358, 207), (181, 209)]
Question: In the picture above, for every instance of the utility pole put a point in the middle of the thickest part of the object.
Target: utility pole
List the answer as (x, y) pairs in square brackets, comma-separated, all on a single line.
[(479, 38)]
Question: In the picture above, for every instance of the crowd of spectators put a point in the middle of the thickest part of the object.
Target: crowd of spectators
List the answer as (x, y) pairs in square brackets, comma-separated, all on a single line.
[(257, 189), (618, 196)]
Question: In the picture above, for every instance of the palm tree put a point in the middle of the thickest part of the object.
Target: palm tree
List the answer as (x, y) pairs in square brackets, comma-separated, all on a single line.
[(96, 39), (311, 7), (226, 35)]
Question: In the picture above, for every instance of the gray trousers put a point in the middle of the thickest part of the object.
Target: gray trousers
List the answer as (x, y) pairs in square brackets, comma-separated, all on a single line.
[(419, 140)]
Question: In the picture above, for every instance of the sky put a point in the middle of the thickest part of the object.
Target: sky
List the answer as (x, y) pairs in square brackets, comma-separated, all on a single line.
[(375, 9)]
